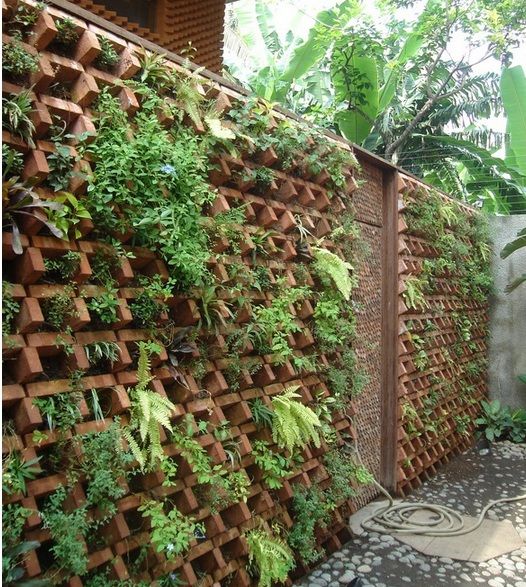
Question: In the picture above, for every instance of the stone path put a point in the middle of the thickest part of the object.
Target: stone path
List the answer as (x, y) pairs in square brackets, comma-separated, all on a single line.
[(466, 484)]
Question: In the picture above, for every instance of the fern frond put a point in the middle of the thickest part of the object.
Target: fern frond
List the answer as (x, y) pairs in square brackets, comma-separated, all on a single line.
[(293, 424), (143, 367), (134, 447), (338, 270), (149, 410)]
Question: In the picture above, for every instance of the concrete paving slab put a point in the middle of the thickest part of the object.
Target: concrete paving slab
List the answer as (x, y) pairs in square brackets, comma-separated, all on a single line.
[(490, 540)]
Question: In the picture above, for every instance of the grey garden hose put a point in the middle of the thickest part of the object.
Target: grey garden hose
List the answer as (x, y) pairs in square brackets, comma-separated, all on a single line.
[(394, 518)]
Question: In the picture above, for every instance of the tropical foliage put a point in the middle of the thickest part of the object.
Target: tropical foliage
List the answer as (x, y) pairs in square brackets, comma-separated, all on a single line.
[(399, 89)]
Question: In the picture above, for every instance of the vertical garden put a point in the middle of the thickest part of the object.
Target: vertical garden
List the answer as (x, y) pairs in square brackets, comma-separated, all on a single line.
[(188, 284)]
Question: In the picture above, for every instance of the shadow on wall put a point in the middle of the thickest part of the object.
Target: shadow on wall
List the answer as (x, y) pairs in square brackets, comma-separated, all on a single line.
[(507, 344)]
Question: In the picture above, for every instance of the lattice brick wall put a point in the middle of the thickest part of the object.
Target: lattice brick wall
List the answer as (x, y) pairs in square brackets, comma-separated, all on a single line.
[(199, 22), (435, 411), (36, 367)]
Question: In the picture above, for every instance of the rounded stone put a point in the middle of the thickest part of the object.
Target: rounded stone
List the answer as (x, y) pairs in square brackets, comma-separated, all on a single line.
[(347, 577), (364, 569)]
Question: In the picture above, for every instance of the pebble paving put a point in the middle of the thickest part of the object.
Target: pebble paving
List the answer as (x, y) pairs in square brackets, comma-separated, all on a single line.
[(466, 484)]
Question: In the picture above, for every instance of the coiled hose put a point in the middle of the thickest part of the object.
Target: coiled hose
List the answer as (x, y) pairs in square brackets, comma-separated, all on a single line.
[(395, 518)]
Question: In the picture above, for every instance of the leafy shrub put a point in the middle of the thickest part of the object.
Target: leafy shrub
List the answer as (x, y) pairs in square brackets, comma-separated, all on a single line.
[(163, 196), (62, 411), (102, 351), (16, 471), (501, 422), (14, 549), (104, 463), (105, 306), (108, 57), (171, 533), (273, 465), (16, 61), (59, 308), (310, 509), (67, 35), (65, 529), (10, 308), (12, 161), (64, 267), (261, 413)]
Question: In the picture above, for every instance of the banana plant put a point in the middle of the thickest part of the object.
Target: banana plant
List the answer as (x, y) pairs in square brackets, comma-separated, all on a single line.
[(513, 92), (511, 247)]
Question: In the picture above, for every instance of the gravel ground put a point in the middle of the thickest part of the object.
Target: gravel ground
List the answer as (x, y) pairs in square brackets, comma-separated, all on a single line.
[(466, 484)]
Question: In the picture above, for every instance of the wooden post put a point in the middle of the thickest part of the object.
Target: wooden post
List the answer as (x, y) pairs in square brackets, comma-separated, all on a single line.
[(389, 400)]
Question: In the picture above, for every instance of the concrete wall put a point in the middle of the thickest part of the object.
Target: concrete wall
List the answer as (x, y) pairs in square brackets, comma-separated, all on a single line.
[(507, 345)]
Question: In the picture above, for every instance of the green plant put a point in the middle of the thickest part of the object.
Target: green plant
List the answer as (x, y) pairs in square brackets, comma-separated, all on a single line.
[(271, 326), (67, 35), (64, 267), (102, 351), (270, 555), (332, 326), (263, 245), (310, 509), (17, 61), (148, 306), (107, 57), (14, 549), (16, 116), (154, 71), (162, 198), (60, 161), (225, 487), (103, 262), (59, 308), (261, 413), (24, 18), (274, 466), (95, 407), (101, 579), (10, 308), (462, 422), (65, 529), (342, 469), (171, 533), (104, 463), (263, 178), (61, 411), (346, 380), (227, 225), (148, 411), (501, 422), (413, 294), (212, 309), (330, 267), (16, 472), (72, 211), (294, 425), (20, 200), (105, 306), (12, 161)]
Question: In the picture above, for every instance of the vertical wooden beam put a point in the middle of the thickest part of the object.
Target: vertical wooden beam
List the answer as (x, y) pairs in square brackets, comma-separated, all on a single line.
[(389, 400)]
